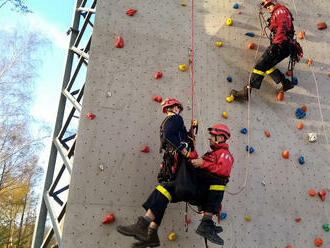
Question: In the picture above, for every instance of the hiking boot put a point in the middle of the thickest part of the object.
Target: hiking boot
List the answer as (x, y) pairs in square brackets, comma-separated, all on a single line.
[(152, 240), (241, 95), (207, 230), (286, 85), (139, 230)]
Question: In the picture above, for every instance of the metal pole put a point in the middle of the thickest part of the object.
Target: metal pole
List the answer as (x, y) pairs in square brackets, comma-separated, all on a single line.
[(42, 217)]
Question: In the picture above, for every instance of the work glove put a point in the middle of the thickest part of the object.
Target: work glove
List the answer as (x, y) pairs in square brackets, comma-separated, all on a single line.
[(192, 155)]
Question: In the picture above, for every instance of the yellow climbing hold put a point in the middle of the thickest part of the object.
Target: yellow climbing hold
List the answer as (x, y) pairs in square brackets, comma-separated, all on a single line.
[(183, 67), (171, 236), (218, 44), (225, 115), (247, 218), (183, 4), (229, 22), (230, 98)]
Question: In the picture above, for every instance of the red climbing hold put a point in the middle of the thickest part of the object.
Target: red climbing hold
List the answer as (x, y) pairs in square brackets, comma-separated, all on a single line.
[(322, 194), (280, 96), (318, 242), (145, 149), (288, 246), (91, 116), (285, 154), (267, 133), (119, 43), (304, 108), (329, 74), (298, 219), (157, 98), (131, 12), (251, 45), (158, 75), (289, 73), (239, 12), (321, 25), (312, 192), (108, 219)]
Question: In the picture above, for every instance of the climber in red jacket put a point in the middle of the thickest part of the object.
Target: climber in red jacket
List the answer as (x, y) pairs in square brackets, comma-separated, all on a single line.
[(282, 45), (212, 174)]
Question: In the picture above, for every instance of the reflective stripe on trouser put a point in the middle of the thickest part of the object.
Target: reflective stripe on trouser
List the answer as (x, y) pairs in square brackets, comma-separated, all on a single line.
[(218, 187), (256, 78), (164, 191)]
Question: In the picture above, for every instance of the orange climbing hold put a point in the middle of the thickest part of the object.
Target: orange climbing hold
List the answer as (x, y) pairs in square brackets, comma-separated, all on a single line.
[(298, 219), (91, 116), (310, 62), (312, 192), (304, 108), (288, 246), (280, 96), (131, 12), (285, 154), (109, 219), (251, 45), (239, 12), (120, 42), (157, 98), (329, 74), (267, 133), (321, 25), (300, 125), (145, 149), (301, 35), (318, 242), (322, 194)]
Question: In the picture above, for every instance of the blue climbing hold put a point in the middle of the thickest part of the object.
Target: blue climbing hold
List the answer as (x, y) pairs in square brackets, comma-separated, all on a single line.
[(295, 81), (229, 79), (223, 216), (300, 113), (247, 148), (250, 34), (244, 131), (251, 150), (301, 160), (236, 6)]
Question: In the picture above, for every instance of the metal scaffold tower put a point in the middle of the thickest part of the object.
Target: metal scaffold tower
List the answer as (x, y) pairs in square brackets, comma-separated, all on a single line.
[(53, 206)]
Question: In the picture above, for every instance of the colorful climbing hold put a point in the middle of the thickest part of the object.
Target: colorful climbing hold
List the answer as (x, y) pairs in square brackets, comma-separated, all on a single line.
[(183, 67), (310, 62), (247, 218), (230, 98), (289, 73), (223, 215), (298, 219), (218, 44), (322, 194), (300, 113), (300, 125), (326, 227), (301, 35), (312, 137), (288, 246), (91, 116), (157, 98), (301, 160), (131, 12), (321, 25), (239, 12), (183, 4), (280, 96), (158, 75), (267, 133), (145, 149), (286, 154), (225, 115), (318, 242), (229, 22), (244, 131), (251, 45), (120, 42), (250, 150), (171, 236), (229, 79), (295, 81), (312, 192), (250, 34), (109, 219), (236, 6), (304, 108), (329, 74)]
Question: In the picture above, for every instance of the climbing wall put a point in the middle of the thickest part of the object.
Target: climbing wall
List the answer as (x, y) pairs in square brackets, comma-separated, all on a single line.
[(267, 202)]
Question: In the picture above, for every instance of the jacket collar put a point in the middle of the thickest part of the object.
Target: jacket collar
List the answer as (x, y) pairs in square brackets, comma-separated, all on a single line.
[(220, 146)]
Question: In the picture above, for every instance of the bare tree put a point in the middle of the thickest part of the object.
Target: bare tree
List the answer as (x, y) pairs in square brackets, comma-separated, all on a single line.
[(18, 5)]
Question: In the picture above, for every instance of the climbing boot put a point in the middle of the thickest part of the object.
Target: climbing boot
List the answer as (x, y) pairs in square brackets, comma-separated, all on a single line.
[(286, 85), (139, 230), (207, 230), (152, 240), (240, 95), (218, 229)]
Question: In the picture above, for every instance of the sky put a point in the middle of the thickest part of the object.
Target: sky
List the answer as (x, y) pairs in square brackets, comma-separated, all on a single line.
[(51, 19)]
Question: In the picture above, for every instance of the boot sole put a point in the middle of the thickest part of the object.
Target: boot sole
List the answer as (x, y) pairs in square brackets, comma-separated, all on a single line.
[(202, 234), (139, 237)]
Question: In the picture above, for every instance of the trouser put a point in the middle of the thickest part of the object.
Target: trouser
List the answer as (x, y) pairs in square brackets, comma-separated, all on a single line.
[(265, 65), (210, 194)]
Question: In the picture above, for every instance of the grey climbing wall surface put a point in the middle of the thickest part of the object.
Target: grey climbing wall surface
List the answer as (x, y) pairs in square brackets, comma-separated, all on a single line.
[(111, 175)]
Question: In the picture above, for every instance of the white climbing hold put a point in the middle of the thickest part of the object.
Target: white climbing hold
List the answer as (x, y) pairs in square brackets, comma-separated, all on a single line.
[(312, 137), (263, 183), (109, 94), (101, 167)]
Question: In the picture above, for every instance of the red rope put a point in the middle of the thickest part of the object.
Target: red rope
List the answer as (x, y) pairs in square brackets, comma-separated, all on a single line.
[(192, 62)]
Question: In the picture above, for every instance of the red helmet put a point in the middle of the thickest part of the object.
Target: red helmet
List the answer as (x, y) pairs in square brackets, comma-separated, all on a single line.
[(266, 3), (170, 102), (220, 129)]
